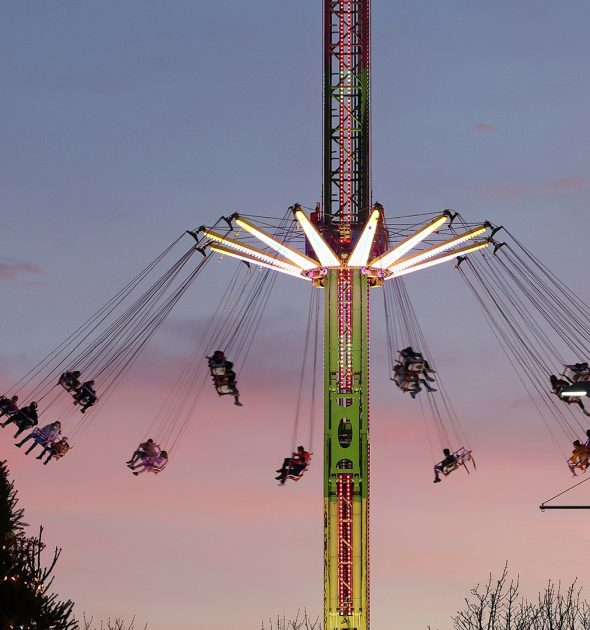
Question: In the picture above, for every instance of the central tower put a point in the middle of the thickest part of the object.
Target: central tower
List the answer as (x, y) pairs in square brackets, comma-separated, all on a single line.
[(345, 210)]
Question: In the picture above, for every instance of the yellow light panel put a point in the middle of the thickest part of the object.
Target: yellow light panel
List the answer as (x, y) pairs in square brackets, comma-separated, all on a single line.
[(395, 253), (323, 251), (437, 249), (297, 258), (252, 251), (440, 259), (225, 251), (361, 252)]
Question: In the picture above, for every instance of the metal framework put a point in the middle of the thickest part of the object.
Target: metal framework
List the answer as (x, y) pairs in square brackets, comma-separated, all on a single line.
[(347, 253)]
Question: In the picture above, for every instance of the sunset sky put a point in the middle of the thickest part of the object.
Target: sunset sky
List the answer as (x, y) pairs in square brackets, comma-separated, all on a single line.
[(123, 124)]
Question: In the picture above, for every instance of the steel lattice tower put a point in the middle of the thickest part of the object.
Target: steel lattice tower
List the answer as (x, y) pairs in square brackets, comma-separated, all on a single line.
[(345, 210), (347, 253)]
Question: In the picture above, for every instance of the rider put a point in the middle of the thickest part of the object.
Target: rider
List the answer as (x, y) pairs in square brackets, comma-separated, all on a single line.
[(299, 461), (218, 360), (8, 406), (145, 449), (294, 465), (449, 460), (85, 395), (579, 458), (44, 436), (70, 380), (558, 385), (25, 418), (55, 449)]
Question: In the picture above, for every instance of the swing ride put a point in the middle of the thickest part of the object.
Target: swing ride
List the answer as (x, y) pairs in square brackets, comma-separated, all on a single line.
[(345, 249)]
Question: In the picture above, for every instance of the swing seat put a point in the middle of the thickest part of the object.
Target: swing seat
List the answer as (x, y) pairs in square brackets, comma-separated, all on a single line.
[(415, 366), (297, 476), (574, 375), (462, 456), (580, 464)]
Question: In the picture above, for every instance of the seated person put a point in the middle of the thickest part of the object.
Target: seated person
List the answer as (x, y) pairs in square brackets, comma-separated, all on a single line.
[(8, 406), (299, 462), (44, 436), (70, 381), (409, 354), (85, 395), (441, 467), (580, 457), (217, 359), (558, 385), (409, 360), (152, 464), (579, 368), (25, 418), (144, 450), (223, 376), (55, 449), (294, 465)]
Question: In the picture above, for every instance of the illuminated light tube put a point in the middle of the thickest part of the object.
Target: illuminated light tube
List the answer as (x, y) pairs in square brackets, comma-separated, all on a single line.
[(297, 258), (323, 251), (361, 252), (395, 253), (251, 251), (440, 259), (437, 249), (220, 249), (573, 393)]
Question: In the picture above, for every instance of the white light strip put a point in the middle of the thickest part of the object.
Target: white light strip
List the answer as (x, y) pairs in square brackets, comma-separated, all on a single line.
[(251, 251), (572, 394), (440, 259), (404, 263), (225, 251), (361, 252), (395, 253), (297, 258), (323, 251)]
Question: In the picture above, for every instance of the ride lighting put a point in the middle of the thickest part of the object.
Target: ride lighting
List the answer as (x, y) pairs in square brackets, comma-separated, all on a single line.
[(440, 259), (323, 251), (579, 389), (226, 251), (361, 252), (404, 263), (395, 253), (297, 258), (252, 252)]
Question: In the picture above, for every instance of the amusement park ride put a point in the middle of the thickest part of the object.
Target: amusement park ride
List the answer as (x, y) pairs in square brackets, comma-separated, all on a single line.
[(347, 255), (350, 251)]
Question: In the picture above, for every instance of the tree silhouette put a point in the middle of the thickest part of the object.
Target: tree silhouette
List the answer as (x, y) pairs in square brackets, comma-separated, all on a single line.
[(301, 622), (25, 601), (498, 605)]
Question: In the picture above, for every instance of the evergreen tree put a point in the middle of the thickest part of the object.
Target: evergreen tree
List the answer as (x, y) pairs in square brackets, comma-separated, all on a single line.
[(25, 603)]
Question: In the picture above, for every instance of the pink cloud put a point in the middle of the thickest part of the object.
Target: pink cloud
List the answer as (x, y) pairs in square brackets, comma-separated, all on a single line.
[(511, 190), (569, 183), (484, 127), (564, 184), (11, 269)]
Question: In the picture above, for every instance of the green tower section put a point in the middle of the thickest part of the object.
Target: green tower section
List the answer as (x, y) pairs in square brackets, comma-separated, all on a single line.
[(346, 450)]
